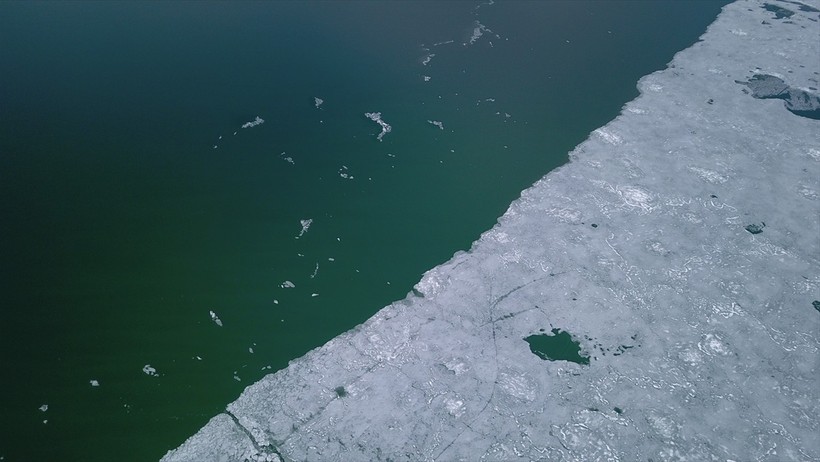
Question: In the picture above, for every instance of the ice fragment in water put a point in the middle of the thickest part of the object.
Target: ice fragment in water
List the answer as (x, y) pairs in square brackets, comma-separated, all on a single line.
[(305, 226), (216, 319), (149, 370), (318, 101), (287, 285), (437, 124), (94, 383), (43, 408), (377, 117), (257, 121)]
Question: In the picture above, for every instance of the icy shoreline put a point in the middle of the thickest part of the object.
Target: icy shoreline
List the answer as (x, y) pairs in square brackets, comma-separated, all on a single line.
[(678, 247)]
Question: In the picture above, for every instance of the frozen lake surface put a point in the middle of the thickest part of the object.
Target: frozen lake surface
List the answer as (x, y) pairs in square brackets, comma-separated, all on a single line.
[(678, 250)]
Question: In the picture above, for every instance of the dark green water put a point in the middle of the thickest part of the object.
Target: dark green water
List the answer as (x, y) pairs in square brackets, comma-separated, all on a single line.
[(121, 227)]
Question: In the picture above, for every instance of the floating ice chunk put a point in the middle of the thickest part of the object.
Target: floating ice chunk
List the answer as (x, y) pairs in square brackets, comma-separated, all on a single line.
[(305, 226), (331, 259), (236, 377), (43, 408), (315, 271), (478, 31), (215, 146), (216, 319), (257, 121), (250, 350), (198, 358), (343, 173), (220, 137), (377, 117), (318, 101), (287, 285), (443, 43), (94, 383), (314, 295), (275, 302), (436, 123), (288, 159), (427, 58), (150, 370), (426, 78)]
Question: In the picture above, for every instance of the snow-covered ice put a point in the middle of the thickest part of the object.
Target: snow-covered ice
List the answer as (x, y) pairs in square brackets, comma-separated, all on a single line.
[(701, 336), (150, 370)]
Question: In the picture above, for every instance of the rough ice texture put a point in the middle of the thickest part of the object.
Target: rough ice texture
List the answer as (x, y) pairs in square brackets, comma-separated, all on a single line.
[(702, 336)]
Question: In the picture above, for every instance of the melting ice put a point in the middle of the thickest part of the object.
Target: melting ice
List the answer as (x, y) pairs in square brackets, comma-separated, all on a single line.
[(257, 121), (377, 117)]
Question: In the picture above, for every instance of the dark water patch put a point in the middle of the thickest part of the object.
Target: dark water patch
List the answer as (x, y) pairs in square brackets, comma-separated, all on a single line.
[(798, 102), (755, 228), (618, 410), (559, 346), (779, 11), (802, 6), (816, 305), (340, 391)]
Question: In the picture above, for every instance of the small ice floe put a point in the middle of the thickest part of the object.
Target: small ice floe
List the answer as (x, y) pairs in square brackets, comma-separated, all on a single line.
[(43, 408), (215, 146), (436, 123), (427, 58), (275, 302), (287, 285), (305, 226), (315, 271), (216, 319), (150, 370), (286, 159), (250, 350), (234, 133), (314, 295), (331, 259), (426, 78), (343, 173), (478, 30), (198, 358), (266, 368), (94, 383), (257, 121), (317, 101), (377, 117), (220, 137), (236, 377)]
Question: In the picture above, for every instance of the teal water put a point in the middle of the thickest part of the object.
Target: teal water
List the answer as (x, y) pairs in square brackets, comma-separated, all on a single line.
[(122, 227)]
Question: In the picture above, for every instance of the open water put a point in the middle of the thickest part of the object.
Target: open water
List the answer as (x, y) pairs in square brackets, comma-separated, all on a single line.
[(133, 203)]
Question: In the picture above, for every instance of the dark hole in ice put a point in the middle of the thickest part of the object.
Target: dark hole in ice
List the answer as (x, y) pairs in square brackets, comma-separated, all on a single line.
[(594, 225), (798, 102), (618, 410), (816, 305), (712, 196), (711, 101), (755, 229), (557, 347), (779, 11), (340, 391)]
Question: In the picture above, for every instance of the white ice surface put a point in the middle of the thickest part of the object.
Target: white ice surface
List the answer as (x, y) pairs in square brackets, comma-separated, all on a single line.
[(722, 360)]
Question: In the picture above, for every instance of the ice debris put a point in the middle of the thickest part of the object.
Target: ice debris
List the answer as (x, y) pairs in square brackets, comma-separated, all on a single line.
[(305, 226), (43, 408), (94, 383), (287, 285), (257, 121), (150, 370), (318, 101), (377, 117), (438, 124), (216, 319)]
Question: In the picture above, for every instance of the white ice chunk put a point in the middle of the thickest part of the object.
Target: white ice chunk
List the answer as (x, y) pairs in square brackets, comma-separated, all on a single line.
[(150, 370), (43, 408), (215, 319), (305, 226), (318, 101), (287, 285), (257, 121), (438, 124), (377, 117), (94, 383)]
